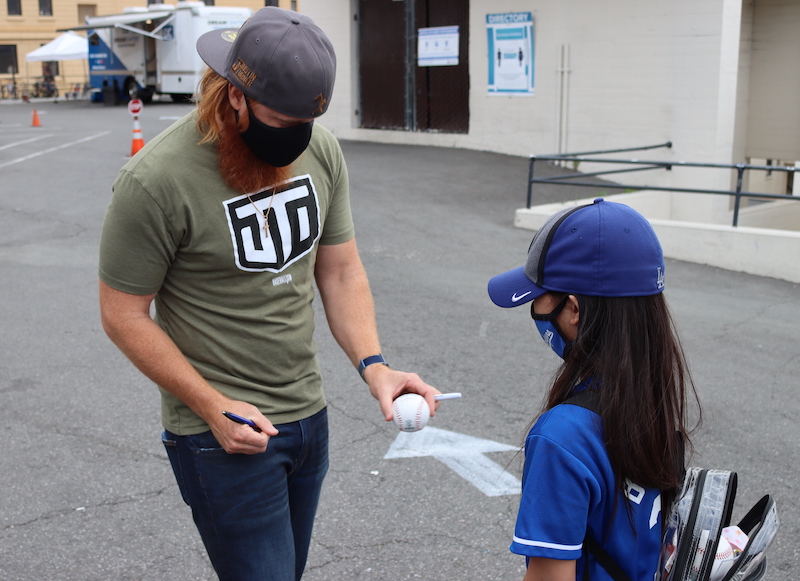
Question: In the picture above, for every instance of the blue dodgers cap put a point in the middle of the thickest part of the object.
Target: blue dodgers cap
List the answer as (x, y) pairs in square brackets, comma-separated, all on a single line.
[(603, 249)]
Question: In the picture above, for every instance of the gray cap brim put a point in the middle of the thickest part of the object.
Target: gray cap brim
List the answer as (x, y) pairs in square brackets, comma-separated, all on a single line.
[(214, 46)]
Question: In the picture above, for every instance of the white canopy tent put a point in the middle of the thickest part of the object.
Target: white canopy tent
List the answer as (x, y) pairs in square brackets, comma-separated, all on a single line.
[(67, 47)]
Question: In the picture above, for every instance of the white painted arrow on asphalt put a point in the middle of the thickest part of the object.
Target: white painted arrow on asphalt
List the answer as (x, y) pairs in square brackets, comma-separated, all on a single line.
[(462, 454)]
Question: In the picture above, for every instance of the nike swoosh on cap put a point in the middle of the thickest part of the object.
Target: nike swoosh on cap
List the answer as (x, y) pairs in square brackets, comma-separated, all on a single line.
[(515, 298)]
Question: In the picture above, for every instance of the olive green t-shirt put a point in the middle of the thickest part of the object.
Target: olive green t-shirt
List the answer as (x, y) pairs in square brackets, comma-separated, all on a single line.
[(236, 301)]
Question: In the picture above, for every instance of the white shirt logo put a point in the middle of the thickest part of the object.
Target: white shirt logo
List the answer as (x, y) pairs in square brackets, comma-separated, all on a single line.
[(294, 225)]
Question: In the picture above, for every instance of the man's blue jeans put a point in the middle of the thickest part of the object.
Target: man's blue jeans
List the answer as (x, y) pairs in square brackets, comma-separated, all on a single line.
[(254, 512)]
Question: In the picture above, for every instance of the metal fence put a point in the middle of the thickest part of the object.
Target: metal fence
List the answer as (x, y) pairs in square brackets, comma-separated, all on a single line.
[(635, 165)]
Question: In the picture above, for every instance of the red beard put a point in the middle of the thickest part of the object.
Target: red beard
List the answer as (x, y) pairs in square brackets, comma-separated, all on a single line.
[(242, 170)]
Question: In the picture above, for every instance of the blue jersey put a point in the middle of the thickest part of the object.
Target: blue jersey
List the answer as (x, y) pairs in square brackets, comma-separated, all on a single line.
[(568, 487)]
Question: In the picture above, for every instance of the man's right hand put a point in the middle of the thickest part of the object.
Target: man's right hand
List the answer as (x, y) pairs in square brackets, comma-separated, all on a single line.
[(126, 319), (238, 438)]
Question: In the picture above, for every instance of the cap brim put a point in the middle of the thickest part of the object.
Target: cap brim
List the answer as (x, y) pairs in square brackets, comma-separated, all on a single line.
[(213, 47), (513, 288)]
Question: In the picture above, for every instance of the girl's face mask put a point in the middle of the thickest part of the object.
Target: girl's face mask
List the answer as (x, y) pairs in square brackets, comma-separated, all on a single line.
[(276, 146), (549, 330)]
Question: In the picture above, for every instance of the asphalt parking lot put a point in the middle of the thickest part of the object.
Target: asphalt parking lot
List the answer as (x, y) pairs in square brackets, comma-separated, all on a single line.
[(88, 493)]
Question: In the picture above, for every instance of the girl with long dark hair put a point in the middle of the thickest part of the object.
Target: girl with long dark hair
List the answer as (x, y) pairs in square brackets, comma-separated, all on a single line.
[(597, 473)]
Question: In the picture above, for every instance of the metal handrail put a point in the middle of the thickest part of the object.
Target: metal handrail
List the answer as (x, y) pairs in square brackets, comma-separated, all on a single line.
[(668, 144), (648, 165)]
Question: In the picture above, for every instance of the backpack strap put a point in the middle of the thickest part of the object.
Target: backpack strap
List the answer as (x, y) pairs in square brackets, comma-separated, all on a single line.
[(588, 398), (601, 556)]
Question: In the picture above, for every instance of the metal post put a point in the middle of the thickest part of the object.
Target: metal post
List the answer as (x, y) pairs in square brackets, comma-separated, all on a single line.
[(739, 175), (411, 69), (530, 180)]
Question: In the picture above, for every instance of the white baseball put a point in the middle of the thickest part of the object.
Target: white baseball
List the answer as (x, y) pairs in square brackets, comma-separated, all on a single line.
[(411, 412), (723, 560)]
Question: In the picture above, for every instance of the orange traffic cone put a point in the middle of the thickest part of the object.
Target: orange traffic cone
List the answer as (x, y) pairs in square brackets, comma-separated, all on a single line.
[(35, 119), (138, 142)]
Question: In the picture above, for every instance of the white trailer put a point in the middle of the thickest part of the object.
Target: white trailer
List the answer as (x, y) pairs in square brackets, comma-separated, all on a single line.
[(148, 51)]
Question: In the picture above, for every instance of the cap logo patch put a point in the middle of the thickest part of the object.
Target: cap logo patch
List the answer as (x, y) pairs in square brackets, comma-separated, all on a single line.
[(229, 35), (660, 280), (243, 73), (320, 108), (516, 299)]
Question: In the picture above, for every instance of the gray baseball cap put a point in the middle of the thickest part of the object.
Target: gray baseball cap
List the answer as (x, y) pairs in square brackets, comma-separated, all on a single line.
[(279, 58)]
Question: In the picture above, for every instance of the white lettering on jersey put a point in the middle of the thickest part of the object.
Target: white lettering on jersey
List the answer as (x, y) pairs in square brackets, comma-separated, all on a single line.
[(634, 492), (656, 510)]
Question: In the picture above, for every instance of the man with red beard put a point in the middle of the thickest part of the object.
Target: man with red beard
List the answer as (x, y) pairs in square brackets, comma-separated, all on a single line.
[(225, 220)]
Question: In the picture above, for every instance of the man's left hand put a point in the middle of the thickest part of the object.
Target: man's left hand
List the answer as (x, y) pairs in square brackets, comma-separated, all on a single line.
[(387, 384)]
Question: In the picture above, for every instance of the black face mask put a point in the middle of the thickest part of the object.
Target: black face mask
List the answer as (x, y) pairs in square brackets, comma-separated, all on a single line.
[(276, 146)]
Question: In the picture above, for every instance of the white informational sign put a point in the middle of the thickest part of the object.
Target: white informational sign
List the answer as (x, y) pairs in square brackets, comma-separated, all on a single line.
[(437, 47), (511, 52)]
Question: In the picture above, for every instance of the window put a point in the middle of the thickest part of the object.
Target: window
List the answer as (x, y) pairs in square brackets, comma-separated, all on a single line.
[(45, 7), (270, 2), (85, 10), (8, 59), (14, 7)]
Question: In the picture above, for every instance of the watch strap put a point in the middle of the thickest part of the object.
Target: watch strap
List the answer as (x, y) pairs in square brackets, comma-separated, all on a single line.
[(371, 360)]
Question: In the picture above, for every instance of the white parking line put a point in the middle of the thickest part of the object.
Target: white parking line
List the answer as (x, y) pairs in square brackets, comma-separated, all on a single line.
[(7, 145), (52, 149)]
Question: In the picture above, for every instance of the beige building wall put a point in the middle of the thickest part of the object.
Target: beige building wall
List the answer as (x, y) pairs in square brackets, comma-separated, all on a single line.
[(773, 129)]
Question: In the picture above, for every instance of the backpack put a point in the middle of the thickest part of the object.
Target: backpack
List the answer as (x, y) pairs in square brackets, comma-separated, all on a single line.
[(697, 520)]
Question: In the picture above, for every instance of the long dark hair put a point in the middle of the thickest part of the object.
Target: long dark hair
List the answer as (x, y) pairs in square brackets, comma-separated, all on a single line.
[(629, 348)]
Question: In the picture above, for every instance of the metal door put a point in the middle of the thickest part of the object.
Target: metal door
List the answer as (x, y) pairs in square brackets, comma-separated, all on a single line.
[(442, 93), (395, 92), (382, 63)]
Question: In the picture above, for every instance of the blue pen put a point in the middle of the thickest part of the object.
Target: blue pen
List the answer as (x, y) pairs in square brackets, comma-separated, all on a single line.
[(240, 420)]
